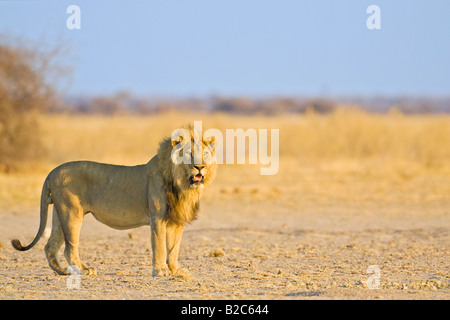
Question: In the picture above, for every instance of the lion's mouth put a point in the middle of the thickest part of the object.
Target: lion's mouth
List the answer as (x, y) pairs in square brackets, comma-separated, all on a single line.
[(198, 178)]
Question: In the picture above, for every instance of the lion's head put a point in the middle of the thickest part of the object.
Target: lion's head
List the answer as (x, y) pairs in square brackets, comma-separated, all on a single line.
[(188, 165), (186, 169)]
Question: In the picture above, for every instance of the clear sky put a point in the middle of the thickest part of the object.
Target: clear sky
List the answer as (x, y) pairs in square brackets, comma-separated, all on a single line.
[(244, 47)]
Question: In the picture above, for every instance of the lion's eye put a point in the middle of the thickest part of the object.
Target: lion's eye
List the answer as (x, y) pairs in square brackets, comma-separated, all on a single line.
[(207, 157)]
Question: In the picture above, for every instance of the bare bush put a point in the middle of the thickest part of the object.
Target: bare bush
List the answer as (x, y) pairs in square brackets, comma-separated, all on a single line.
[(25, 90)]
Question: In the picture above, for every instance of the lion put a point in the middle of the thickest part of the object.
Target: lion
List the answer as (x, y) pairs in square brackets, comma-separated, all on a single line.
[(161, 193)]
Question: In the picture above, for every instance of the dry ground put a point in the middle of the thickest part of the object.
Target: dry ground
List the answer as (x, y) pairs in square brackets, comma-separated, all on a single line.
[(309, 232)]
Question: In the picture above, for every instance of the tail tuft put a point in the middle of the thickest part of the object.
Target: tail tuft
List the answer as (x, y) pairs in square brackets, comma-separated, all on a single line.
[(17, 245)]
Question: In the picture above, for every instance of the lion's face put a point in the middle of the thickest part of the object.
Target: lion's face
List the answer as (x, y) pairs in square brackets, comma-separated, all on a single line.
[(195, 175)]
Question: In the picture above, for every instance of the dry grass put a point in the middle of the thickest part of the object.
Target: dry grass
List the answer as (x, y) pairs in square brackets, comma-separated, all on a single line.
[(353, 189), (382, 152), (348, 134)]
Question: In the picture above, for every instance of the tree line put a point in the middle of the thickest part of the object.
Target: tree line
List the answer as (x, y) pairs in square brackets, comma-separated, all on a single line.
[(126, 102)]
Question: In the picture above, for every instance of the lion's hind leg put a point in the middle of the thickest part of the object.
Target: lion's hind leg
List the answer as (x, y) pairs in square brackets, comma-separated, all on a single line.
[(53, 245), (71, 218)]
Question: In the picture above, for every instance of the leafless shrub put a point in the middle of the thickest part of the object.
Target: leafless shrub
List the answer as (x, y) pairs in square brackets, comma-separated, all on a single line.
[(27, 76)]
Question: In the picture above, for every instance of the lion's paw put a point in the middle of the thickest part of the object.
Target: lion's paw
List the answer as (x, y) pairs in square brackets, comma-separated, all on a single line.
[(90, 271), (161, 272), (181, 272)]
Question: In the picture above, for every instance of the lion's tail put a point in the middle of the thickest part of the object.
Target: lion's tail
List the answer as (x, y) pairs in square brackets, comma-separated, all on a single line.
[(45, 201)]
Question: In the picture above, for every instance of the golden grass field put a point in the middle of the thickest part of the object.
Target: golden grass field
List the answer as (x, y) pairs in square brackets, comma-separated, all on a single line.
[(354, 189)]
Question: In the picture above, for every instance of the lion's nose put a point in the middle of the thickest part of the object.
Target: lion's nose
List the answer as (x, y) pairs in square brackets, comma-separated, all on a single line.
[(199, 167)]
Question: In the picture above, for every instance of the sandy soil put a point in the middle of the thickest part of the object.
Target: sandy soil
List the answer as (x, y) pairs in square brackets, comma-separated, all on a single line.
[(258, 241), (324, 254)]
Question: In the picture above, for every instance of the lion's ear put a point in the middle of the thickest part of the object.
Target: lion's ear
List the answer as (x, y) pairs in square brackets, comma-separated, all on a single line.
[(211, 143), (176, 141)]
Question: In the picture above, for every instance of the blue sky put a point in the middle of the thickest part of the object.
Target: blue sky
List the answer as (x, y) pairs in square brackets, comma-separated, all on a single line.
[(247, 47)]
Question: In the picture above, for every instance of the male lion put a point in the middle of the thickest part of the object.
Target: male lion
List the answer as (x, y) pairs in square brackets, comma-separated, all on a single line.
[(160, 193)]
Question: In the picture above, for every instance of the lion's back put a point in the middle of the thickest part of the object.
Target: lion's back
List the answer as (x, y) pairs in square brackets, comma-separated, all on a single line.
[(97, 183)]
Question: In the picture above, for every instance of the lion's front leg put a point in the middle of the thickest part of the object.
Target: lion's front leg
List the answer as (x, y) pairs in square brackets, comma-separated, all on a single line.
[(158, 230), (174, 233)]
